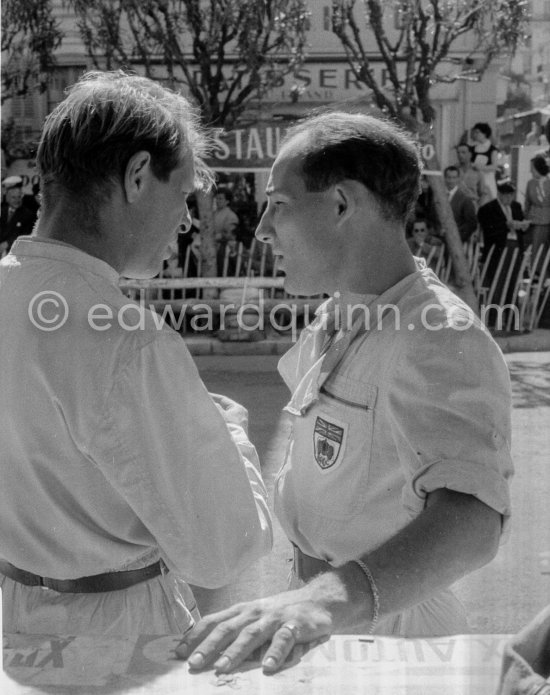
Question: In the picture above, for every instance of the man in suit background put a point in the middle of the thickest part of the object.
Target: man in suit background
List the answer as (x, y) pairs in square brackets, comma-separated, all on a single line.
[(496, 219), (16, 219), (462, 205), (500, 216)]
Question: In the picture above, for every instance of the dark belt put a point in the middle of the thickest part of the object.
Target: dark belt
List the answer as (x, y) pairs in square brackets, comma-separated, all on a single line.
[(307, 567), (110, 581)]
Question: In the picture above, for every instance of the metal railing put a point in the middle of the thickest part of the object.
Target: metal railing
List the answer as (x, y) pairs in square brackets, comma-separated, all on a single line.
[(516, 285)]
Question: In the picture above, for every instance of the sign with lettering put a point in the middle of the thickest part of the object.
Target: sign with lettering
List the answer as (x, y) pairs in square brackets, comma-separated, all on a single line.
[(327, 81), (344, 664), (252, 147)]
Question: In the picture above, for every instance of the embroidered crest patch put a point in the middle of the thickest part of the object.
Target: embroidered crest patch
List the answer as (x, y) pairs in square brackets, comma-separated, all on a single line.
[(327, 440)]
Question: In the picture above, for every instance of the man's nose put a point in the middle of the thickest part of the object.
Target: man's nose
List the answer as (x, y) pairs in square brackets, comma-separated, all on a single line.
[(264, 229)]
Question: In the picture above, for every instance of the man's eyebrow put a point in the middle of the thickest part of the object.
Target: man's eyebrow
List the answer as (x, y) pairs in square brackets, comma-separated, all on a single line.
[(274, 191)]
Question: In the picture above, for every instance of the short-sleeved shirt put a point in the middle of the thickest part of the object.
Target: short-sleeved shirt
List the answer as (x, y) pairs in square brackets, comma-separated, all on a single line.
[(387, 415), (113, 453)]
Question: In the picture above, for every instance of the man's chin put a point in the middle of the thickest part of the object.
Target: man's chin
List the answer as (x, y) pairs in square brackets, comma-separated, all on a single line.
[(140, 274), (292, 286)]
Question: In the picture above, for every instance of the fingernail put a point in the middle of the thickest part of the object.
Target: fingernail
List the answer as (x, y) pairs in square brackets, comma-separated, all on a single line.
[(269, 664), (222, 664), (196, 660), (182, 651)]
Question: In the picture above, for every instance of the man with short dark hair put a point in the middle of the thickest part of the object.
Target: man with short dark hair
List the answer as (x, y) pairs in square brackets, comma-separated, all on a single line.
[(394, 482), (16, 219), (123, 480), (499, 217)]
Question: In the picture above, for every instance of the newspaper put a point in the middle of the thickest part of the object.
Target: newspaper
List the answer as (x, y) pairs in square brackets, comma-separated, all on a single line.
[(351, 664)]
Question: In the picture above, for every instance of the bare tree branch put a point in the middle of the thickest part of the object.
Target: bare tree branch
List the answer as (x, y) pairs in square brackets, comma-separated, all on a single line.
[(30, 35), (426, 33)]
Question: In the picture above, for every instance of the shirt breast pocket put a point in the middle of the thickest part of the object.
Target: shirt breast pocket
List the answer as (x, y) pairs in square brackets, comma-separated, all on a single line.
[(332, 449)]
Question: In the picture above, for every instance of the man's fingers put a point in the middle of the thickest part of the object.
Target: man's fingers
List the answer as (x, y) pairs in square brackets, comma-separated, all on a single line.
[(211, 647), (212, 639), (203, 628), (250, 638), (281, 645)]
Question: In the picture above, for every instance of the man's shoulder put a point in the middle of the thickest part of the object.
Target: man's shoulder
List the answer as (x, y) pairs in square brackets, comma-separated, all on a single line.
[(427, 322), (431, 307), (462, 198), (226, 212), (232, 215)]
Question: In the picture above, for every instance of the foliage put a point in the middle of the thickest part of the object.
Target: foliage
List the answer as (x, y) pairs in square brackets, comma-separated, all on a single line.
[(226, 53), (30, 35), (414, 39)]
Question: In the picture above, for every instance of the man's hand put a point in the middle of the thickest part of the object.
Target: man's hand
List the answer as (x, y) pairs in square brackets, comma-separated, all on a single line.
[(232, 411), (227, 638)]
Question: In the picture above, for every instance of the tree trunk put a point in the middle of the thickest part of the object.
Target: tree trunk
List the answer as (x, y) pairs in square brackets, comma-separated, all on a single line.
[(462, 278), (205, 203)]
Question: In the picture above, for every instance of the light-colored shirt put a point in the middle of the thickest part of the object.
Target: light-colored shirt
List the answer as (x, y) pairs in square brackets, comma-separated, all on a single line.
[(385, 417), (225, 221), (472, 182), (113, 452)]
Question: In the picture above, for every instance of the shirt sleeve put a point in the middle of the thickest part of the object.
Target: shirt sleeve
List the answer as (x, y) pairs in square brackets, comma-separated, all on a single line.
[(184, 465), (450, 407)]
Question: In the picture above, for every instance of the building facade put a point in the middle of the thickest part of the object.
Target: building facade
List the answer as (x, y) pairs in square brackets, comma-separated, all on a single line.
[(325, 78)]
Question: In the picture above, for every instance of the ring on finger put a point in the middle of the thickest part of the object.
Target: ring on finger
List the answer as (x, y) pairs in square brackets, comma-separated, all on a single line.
[(292, 628)]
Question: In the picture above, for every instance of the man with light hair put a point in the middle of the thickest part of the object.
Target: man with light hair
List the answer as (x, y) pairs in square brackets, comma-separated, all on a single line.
[(119, 471)]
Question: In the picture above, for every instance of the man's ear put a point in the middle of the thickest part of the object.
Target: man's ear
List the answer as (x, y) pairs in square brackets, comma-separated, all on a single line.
[(346, 199), (138, 171)]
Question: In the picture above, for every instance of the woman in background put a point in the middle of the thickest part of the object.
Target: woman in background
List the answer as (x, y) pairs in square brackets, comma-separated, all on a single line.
[(484, 155)]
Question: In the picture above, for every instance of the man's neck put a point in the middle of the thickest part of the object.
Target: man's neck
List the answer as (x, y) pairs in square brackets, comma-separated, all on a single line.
[(68, 226), (374, 272)]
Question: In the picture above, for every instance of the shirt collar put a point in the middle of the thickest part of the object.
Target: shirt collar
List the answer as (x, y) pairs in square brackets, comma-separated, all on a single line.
[(306, 386), (39, 247)]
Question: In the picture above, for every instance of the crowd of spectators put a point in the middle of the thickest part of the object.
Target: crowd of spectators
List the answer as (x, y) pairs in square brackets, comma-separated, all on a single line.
[(483, 204), (483, 200)]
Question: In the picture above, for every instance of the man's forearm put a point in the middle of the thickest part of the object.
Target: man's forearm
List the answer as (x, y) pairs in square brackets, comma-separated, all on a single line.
[(453, 536)]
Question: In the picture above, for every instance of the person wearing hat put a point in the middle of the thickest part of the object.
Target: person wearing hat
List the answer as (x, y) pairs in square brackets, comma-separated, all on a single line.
[(16, 219), (497, 218)]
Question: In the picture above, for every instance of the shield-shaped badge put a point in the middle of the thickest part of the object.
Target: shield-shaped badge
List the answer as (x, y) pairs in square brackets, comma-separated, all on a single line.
[(327, 440)]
